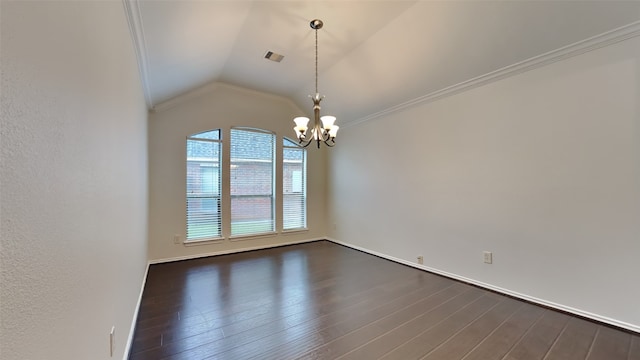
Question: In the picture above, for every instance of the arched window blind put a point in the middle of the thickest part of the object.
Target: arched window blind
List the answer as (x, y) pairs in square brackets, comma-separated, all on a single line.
[(203, 186), (294, 186)]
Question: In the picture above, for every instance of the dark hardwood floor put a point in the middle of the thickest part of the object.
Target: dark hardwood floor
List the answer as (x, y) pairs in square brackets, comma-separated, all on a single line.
[(324, 301)]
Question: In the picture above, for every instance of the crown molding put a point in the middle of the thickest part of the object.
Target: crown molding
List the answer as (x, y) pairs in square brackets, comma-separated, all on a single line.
[(593, 43), (134, 19), (191, 94), (213, 86)]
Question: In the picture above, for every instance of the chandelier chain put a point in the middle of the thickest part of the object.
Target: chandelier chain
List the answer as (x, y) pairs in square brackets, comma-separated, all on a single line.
[(316, 61)]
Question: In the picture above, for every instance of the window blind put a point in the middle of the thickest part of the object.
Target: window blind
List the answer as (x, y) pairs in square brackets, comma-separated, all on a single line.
[(203, 186), (252, 181), (294, 180)]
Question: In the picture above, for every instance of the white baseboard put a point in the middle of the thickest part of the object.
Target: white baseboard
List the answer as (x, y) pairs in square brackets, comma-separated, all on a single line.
[(132, 329), (188, 257), (231, 251), (550, 304), (568, 309)]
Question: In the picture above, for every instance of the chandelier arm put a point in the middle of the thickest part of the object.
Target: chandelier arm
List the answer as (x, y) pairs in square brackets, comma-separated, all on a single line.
[(324, 138), (332, 144), (308, 142)]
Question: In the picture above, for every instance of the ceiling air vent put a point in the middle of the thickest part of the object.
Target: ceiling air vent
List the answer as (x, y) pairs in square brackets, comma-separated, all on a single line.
[(273, 56)]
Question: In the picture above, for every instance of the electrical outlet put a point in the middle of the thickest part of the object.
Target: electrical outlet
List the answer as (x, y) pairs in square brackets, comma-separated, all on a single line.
[(488, 257), (420, 259), (176, 239), (112, 341)]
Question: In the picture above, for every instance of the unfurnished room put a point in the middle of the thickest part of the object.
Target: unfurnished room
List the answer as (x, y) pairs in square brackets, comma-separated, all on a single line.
[(300, 179)]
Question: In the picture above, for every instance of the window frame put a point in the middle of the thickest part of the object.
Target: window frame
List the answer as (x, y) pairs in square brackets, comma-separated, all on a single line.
[(198, 137), (274, 192), (292, 145), (224, 197)]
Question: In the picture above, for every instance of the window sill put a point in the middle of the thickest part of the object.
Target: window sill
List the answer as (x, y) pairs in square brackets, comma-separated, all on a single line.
[(251, 236), (203, 242), (242, 237), (294, 231)]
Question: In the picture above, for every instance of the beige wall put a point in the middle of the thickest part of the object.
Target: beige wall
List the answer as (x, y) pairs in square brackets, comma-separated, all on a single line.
[(541, 168), (219, 106), (73, 180)]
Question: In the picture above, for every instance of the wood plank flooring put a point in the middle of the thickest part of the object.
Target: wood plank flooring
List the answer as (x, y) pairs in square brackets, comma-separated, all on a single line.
[(324, 301)]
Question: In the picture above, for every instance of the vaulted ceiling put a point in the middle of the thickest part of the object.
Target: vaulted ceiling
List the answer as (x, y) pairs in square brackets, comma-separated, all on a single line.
[(373, 55)]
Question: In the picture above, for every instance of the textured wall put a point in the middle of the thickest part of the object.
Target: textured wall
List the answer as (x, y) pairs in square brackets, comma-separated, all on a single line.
[(542, 169), (73, 180), (219, 106)]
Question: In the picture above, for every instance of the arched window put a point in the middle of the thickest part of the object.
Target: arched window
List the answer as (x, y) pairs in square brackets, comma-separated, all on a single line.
[(250, 193), (252, 181), (294, 186), (203, 186)]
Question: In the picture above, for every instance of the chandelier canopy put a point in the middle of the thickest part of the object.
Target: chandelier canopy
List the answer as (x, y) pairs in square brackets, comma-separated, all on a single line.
[(323, 129)]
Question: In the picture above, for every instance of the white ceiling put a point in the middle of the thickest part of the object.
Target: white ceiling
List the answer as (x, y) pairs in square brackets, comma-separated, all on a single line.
[(372, 54)]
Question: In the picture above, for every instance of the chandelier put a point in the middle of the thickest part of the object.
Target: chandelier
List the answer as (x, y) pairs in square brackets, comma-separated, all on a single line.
[(323, 129)]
